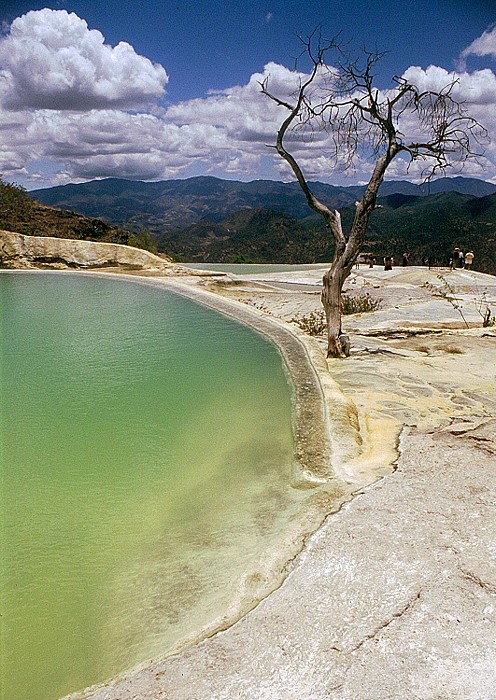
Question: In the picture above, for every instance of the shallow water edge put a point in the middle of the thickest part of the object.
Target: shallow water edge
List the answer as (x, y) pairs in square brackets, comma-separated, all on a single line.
[(325, 437)]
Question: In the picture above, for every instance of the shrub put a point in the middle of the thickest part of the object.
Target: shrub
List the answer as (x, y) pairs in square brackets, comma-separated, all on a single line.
[(453, 350), (313, 324), (484, 310), (359, 303), (14, 202)]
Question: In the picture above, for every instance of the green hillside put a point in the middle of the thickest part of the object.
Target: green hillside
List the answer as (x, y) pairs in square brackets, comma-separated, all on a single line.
[(210, 220), (432, 226), (424, 226), (21, 214), (254, 235)]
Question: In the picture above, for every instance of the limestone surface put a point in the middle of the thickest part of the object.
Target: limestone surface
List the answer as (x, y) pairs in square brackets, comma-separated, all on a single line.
[(33, 252)]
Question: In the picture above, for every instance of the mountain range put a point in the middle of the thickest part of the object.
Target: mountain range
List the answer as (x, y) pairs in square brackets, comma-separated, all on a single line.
[(170, 204), (206, 219)]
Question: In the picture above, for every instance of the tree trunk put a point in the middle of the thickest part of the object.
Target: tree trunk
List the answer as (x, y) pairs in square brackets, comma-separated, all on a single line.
[(331, 301), (345, 255)]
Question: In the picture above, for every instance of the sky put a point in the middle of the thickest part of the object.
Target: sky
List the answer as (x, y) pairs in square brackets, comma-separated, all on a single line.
[(159, 89)]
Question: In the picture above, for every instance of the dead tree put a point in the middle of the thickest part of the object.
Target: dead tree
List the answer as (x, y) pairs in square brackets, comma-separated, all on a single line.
[(359, 118)]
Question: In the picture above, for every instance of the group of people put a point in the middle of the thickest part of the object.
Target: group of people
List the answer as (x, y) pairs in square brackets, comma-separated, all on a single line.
[(461, 260), (458, 259), (389, 261)]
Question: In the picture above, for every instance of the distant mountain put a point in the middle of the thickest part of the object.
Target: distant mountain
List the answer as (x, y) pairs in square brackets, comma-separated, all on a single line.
[(171, 203), (166, 205), (212, 220), (462, 185), (431, 226), (428, 226)]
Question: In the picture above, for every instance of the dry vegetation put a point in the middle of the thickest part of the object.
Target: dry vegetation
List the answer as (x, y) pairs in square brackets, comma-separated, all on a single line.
[(21, 214), (314, 323)]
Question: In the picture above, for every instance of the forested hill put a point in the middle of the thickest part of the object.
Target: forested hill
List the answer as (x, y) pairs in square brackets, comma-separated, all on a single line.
[(22, 214), (424, 226), (211, 220), (178, 203)]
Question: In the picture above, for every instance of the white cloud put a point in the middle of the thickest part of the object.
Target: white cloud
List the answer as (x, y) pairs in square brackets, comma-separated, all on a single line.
[(51, 60), (80, 109), (485, 45), (225, 132), (416, 171), (478, 87), (114, 143), (247, 120), (242, 111), (477, 91)]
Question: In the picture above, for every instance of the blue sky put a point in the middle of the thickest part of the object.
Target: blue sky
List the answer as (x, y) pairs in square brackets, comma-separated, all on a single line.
[(179, 97)]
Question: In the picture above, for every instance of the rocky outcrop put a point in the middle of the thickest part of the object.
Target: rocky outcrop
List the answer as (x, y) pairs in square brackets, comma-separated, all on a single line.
[(33, 252)]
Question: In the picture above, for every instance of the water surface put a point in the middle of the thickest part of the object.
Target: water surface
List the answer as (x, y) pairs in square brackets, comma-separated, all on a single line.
[(146, 454), (255, 268)]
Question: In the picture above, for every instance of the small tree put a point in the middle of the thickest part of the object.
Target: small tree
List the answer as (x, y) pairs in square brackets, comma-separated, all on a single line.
[(343, 101)]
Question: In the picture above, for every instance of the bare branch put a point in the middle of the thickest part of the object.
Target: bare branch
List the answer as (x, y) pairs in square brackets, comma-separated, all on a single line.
[(343, 102)]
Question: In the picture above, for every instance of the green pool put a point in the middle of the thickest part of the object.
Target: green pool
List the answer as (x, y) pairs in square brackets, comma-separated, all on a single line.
[(146, 448)]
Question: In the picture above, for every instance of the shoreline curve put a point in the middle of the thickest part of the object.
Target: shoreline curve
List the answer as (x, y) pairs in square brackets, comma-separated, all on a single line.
[(326, 435), (327, 442), (393, 593)]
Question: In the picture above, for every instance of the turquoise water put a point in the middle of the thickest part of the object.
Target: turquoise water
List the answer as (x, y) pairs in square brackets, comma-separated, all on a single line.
[(254, 268), (146, 453)]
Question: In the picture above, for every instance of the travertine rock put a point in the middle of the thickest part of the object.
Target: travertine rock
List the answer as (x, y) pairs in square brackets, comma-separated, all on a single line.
[(20, 252)]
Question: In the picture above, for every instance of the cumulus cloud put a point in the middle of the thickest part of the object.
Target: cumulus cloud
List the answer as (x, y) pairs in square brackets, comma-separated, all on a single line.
[(478, 87), (115, 143), (484, 45), (79, 109), (477, 91), (225, 132), (242, 111), (51, 60)]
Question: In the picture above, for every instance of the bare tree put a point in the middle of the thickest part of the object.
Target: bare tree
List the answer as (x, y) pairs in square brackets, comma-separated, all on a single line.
[(359, 118)]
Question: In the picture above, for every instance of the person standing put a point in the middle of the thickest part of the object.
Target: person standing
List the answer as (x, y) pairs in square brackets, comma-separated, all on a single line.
[(455, 257), (469, 259)]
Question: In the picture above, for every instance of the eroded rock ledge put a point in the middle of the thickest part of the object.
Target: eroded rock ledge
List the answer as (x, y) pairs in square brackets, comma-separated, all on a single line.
[(33, 252)]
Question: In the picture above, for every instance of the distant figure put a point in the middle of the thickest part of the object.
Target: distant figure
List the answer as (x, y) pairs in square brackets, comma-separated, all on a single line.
[(388, 263), (455, 258), (469, 259), (405, 259), (371, 262), (461, 260), (425, 261)]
